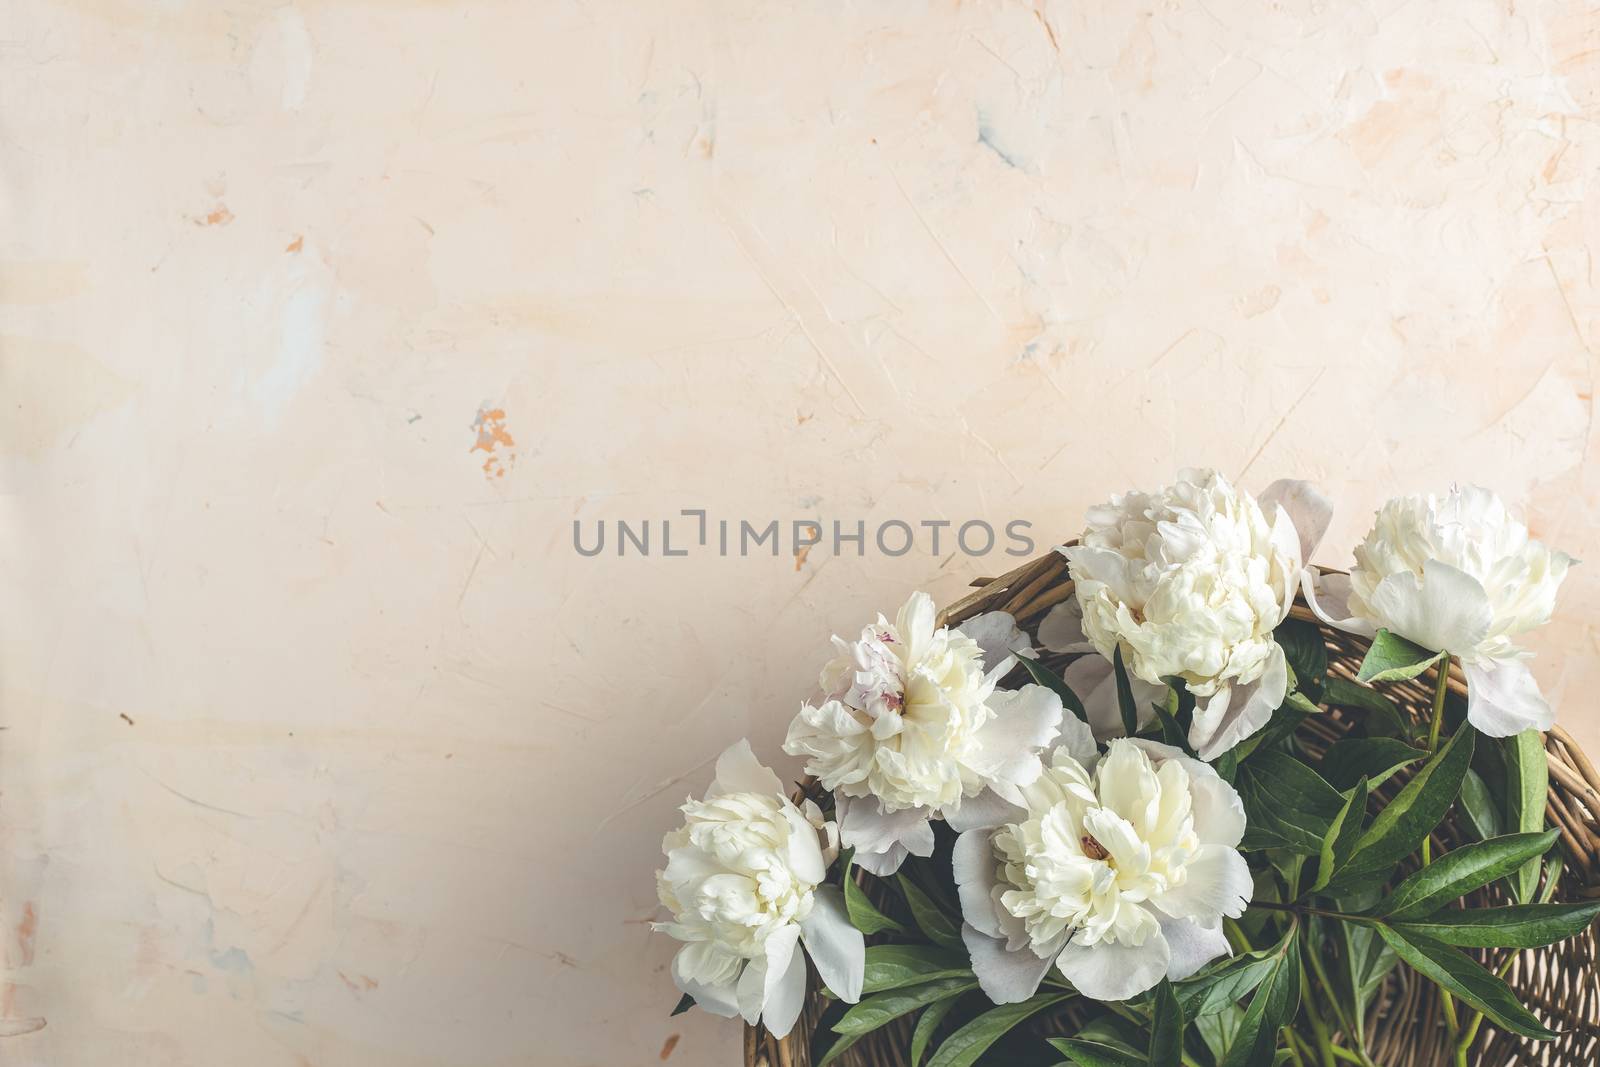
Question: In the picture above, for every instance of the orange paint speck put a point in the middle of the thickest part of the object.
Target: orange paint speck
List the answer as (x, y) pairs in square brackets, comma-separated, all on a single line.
[(220, 216), (800, 555), (25, 931), (492, 437), (295, 245), (668, 1045)]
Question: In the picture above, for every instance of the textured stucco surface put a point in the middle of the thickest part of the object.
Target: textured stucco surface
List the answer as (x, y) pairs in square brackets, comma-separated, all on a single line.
[(320, 323)]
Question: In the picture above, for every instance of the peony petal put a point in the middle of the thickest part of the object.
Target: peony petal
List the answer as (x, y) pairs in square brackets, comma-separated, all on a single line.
[(803, 850), (720, 1000), (1219, 817), (985, 811), (1078, 739), (1307, 508), (1218, 883), (866, 827), (1005, 977), (1062, 629), (882, 864), (763, 974), (1115, 971), (1094, 679), (836, 947), (1234, 713), (916, 625), (1328, 596), (1006, 748), (785, 997), (1504, 699), (1192, 946), (1446, 610), (997, 634), (738, 771), (974, 866)]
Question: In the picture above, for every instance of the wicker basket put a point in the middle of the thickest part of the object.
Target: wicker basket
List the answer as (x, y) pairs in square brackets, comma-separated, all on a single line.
[(1560, 983)]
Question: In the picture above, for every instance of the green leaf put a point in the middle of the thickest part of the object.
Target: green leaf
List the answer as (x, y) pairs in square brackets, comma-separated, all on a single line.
[(1483, 815), (1513, 926), (927, 1025), (1455, 874), (898, 966), (1307, 654), (864, 916), (1094, 1054), (1287, 804), (1458, 974), (1411, 816), (1224, 985), (1527, 780), (1343, 833), (1125, 702), (1054, 682), (837, 1048), (1273, 1004), (1166, 1028), (964, 1046), (1172, 733), (1385, 718), (685, 1002), (1394, 659), (882, 1008), (1373, 758), (930, 918)]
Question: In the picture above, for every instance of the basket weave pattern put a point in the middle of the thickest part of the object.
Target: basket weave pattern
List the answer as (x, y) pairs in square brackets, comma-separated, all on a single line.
[(1559, 983)]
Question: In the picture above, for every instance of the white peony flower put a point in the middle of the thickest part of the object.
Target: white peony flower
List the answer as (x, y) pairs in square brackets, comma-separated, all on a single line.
[(1117, 871), (910, 726), (743, 883), (1455, 574), (1190, 583)]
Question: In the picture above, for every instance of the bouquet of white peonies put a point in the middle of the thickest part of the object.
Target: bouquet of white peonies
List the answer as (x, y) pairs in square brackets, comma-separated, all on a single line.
[(1222, 809)]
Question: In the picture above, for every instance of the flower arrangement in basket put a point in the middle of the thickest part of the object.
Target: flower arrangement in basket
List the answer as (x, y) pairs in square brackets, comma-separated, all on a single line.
[(1224, 809)]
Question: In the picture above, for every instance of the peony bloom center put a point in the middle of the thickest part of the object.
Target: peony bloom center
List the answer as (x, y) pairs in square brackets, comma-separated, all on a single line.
[(1097, 855)]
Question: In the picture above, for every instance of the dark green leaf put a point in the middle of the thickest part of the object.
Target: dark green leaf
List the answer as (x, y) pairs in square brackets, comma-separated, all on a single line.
[(927, 1025), (1385, 719), (1215, 989), (1343, 833), (863, 915), (964, 1046), (1402, 825), (1514, 926), (1172, 733), (1273, 1004), (1483, 815), (1455, 874), (1094, 1054), (1307, 654), (1394, 659), (685, 1002), (837, 1048), (1125, 702), (1372, 758), (881, 1008), (898, 966), (1287, 804), (1458, 974), (1053, 682), (1166, 1028), (1527, 779), (930, 918)]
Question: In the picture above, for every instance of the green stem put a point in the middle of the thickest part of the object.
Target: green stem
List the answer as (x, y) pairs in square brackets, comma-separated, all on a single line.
[(1307, 909), (1476, 1021), (1440, 687)]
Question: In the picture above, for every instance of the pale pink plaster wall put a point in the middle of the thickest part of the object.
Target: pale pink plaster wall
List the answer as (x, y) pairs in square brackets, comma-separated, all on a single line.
[(322, 748)]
